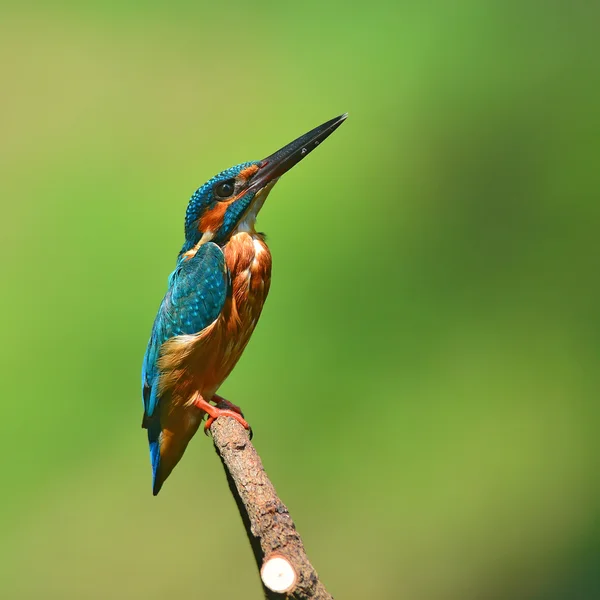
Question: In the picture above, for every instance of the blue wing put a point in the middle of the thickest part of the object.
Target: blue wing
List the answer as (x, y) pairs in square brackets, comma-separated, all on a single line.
[(197, 291)]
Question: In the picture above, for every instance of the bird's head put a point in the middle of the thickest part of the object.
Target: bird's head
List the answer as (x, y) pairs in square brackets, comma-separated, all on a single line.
[(230, 201)]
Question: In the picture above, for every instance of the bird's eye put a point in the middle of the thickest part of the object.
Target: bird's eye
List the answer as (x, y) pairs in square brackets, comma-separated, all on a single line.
[(224, 189)]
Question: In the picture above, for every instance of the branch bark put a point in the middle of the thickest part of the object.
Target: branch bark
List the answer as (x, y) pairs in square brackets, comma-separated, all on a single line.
[(278, 550)]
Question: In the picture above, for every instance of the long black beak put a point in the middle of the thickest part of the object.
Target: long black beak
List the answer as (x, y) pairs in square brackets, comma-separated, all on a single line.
[(283, 160)]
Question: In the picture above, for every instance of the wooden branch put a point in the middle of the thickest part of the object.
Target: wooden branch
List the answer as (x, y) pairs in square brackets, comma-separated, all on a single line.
[(280, 557)]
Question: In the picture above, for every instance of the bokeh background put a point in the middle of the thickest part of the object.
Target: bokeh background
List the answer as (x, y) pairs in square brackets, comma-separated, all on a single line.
[(423, 384)]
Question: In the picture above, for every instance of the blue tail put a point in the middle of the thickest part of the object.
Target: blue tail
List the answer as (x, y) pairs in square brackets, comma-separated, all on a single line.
[(154, 434)]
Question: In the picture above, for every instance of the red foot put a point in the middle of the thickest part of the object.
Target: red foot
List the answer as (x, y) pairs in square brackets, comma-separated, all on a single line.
[(214, 412), (222, 403)]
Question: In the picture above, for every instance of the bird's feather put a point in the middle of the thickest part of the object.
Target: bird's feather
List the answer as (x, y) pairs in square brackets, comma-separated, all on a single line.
[(197, 292)]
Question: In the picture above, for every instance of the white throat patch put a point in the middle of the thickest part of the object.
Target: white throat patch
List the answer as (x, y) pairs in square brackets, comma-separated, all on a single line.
[(248, 221)]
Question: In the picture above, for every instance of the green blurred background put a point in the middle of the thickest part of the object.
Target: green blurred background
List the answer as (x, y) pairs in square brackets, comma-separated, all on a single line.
[(423, 384)]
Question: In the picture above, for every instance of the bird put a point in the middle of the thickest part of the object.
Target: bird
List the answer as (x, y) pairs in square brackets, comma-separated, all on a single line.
[(213, 301)]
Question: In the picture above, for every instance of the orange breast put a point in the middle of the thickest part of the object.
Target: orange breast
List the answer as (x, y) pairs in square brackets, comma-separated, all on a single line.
[(221, 345), (201, 362)]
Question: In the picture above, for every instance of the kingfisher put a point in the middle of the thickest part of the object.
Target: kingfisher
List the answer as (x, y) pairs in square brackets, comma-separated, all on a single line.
[(214, 299)]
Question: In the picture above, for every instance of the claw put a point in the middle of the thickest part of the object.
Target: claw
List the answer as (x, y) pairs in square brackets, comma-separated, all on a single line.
[(214, 412), (221, 412)]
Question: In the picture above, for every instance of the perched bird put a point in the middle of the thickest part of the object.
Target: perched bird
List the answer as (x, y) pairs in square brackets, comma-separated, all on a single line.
[(214, 299)]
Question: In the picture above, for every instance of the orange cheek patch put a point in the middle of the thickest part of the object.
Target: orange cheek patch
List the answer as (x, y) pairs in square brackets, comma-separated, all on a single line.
[(248, 172), (213, 219)]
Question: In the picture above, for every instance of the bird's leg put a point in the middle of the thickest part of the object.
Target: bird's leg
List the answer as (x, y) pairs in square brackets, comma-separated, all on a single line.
[(224, 408)]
